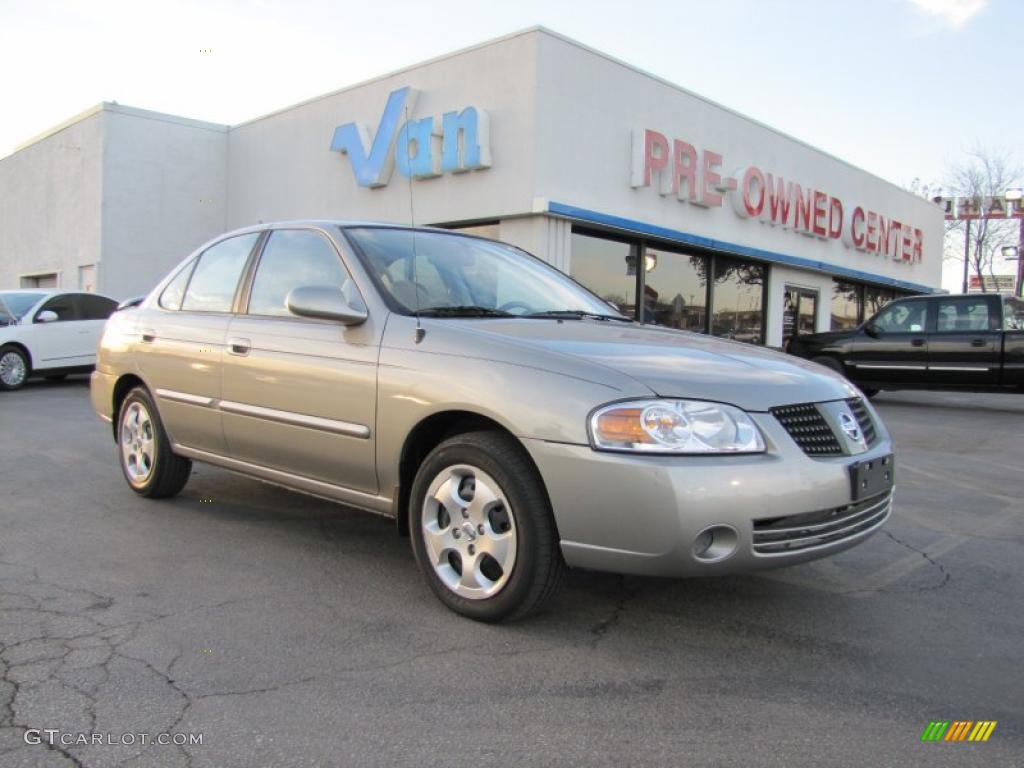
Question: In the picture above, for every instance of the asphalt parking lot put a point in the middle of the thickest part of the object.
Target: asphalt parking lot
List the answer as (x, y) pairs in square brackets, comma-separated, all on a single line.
[(289, 631)]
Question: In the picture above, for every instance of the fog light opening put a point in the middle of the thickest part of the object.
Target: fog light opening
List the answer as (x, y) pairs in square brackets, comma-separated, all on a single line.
[(715, 543)]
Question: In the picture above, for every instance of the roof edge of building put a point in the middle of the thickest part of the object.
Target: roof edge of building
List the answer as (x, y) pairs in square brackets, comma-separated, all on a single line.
[(113, 106), (403, 70)]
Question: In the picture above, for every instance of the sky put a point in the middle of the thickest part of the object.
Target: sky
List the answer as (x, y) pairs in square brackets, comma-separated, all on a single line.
[(897, 87)]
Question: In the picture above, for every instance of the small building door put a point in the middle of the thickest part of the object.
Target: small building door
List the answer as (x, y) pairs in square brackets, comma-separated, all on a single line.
[(800, 312)]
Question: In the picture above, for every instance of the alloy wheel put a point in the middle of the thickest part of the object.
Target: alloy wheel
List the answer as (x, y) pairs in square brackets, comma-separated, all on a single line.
[(12, 369), (469, 531), (138, 446)]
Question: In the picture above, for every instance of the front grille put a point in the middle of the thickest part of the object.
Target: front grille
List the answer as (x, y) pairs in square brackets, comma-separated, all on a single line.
[(860, 413), (808, 428), (792, 533)]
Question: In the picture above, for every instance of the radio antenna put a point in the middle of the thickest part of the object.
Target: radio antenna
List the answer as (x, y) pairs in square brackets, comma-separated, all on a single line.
[(420, 333)]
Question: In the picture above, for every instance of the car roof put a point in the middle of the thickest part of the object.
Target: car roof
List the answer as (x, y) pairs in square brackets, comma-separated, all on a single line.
[(340, 223)]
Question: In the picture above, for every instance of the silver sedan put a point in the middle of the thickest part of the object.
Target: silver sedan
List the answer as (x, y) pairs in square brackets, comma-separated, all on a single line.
[(510, 421)]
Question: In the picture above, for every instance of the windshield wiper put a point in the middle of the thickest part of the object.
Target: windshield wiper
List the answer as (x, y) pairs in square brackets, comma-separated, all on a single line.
[(575, 314), (463, 310)]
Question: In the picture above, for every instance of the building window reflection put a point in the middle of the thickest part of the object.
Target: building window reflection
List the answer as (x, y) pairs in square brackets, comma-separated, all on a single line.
[(847, 305), (675, 290), (738, 300), (608, 268)]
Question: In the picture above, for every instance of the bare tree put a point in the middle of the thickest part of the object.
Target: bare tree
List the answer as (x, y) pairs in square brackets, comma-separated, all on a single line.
[(981, 175)]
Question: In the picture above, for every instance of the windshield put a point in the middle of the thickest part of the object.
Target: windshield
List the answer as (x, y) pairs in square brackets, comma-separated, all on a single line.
[(17, 304), (462, 276)]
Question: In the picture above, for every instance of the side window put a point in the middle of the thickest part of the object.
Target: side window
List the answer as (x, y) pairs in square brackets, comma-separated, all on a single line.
[(215, 278), (65, 307), (962, 315), (902, 317), (93, 307), (1014, 320), (294, 258), (174, 291)]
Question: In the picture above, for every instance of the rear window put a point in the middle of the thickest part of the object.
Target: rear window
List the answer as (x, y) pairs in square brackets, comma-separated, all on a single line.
[(215, 279), (93, 307), (1014, 320)]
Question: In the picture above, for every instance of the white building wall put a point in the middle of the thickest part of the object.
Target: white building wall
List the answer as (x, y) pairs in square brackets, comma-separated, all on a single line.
[(282, 167), (588, 106), (164, 194), (50, 199)]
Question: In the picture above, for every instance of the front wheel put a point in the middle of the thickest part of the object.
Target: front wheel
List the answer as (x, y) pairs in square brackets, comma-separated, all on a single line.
[(482, 529), (147, 462), (13, 368)]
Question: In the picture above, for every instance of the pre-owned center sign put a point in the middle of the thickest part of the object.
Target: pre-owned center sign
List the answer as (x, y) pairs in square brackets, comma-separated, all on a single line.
[(695, 176)]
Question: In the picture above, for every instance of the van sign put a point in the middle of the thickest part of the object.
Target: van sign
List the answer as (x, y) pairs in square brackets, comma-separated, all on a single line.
[(422, 148)]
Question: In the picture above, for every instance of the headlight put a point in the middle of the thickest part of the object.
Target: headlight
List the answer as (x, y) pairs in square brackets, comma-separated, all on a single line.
[(674, 426)]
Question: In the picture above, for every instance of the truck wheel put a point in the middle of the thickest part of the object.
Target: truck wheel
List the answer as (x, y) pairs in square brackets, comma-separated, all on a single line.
[(147, 462), (482, 529), (14, 368)]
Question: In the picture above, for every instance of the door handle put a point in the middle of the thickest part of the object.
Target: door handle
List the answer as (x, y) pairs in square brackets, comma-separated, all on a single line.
[(917, 342), (978, 343), (148, 335), (239, 346)]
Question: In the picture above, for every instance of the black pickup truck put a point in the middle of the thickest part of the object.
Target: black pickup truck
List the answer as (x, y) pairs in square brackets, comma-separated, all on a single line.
[(969, 342)]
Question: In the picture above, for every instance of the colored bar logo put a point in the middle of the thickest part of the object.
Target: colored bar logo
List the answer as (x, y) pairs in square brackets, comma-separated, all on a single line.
[(958, 730)]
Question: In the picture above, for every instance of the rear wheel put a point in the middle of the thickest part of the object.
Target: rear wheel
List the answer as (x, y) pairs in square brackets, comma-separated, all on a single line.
[(147, 462), (14, 368), (482, 529)]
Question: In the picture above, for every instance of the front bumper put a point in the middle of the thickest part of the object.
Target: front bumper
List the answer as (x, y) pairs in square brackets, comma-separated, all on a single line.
[(629, 513)]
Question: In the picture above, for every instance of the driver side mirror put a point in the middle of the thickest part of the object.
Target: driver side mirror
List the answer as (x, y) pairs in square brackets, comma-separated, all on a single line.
[(324, 304), (873, 331), (47, 316)]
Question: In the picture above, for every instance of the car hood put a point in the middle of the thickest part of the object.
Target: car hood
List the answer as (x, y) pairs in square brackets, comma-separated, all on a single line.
[(674, 363)]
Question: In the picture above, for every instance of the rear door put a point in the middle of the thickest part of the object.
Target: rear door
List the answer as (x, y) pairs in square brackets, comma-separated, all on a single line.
[(181, 342), (1013, 342), (300, 394), (893, 346), (964, 347), (93, 312)]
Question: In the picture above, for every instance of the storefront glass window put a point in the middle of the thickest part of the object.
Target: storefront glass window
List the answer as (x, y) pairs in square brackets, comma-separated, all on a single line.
[(738, 300), (846, 305), (606, 267), (675, 293)]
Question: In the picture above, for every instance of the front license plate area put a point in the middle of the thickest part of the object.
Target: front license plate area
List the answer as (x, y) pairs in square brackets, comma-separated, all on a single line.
[(872, 477)]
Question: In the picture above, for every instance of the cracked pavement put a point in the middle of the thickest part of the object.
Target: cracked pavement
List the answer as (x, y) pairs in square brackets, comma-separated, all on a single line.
[(292, 632)]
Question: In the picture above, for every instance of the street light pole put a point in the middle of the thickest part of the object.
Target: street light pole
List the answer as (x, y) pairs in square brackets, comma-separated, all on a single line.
[(967, 252)]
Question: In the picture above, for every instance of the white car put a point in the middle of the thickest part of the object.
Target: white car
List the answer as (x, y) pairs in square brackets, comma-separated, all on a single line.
[(49, 333)]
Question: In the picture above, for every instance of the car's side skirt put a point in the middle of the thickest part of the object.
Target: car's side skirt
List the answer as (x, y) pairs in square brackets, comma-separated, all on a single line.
[(380, 505)]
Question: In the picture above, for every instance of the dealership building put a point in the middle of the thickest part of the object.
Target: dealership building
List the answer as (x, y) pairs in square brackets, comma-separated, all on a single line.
[(674, 208)]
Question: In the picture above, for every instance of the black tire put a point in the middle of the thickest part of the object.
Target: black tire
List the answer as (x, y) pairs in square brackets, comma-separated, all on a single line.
[(14, 368), (869, 392), (537, 569), (165, 474)]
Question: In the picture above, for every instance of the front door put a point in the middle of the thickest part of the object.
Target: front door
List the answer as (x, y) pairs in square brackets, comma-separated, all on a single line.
[(966, 345), (800, 312), (62, 342), (299, 395), (892, 347)]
